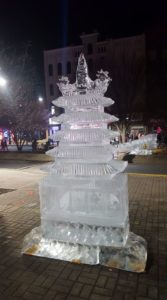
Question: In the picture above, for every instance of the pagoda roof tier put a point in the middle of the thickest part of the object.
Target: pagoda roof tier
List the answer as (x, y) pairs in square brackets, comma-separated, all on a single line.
[(85, 154), (86, 136), (83, 100), (108, 169), (85, 117)]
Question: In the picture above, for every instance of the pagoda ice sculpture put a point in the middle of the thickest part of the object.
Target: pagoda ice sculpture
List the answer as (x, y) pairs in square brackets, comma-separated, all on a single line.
[(84, 199)]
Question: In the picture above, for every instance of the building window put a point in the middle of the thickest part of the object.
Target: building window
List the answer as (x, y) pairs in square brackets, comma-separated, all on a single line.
[(102, 61), (59, 69), (101, 49), (75, 64), (51, 87), (68, 67), (77, 53), (90, 65), (90, 49), (50, 70)]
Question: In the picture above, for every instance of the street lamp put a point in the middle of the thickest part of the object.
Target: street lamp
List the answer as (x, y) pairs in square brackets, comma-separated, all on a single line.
[(3, 82), (40, 99)]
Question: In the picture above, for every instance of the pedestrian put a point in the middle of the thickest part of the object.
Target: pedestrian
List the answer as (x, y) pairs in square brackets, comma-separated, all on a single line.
[(5, 145), (2, 145), (159, 139), (165, 138), (34, 145), (158, 130)]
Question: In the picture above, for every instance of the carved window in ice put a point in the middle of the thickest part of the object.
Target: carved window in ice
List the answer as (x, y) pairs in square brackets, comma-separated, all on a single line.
[(90, 202)]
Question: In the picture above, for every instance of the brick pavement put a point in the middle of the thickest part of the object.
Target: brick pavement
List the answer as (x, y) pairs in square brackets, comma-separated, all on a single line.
[(34, 278)]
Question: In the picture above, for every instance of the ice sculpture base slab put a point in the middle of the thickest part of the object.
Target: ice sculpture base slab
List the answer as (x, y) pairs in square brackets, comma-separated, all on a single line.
[(132, 257)]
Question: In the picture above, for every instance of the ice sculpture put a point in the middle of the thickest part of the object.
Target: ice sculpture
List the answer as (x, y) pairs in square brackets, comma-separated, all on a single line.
[(143, 146), (84, 199)]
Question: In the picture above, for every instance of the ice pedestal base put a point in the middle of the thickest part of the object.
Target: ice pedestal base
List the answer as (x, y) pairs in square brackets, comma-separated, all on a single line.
[(85, 234), (132, 257)]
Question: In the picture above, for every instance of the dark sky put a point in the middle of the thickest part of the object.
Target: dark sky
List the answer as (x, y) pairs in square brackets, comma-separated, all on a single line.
[(54, 23)]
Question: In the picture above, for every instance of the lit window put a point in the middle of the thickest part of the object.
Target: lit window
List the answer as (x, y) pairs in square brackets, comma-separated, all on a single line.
[(52, 110)]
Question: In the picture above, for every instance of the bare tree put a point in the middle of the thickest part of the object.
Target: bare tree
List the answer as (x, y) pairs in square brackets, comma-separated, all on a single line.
[(127, 89), (20, 110), (24, 119)]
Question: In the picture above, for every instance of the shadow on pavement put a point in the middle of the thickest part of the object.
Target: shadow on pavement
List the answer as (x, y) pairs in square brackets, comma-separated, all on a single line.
[(129, 158)]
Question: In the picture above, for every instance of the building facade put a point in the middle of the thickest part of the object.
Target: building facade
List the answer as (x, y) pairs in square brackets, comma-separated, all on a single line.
[(156, 44), (99, 54)]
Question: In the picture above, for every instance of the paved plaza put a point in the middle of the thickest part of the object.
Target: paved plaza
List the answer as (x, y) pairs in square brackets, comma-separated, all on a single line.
[(34, 278)]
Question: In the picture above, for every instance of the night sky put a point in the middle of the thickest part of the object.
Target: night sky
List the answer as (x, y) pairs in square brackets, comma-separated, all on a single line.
[(52, 23), (55, 23)]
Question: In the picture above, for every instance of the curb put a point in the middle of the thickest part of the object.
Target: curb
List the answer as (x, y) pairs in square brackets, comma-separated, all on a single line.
[(25, 156)]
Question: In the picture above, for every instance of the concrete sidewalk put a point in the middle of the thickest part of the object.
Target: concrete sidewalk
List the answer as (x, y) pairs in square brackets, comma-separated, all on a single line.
[(29, 277), (27, 156)]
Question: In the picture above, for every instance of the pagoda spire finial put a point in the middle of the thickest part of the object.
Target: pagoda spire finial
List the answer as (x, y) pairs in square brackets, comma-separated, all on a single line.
[(83, 82)]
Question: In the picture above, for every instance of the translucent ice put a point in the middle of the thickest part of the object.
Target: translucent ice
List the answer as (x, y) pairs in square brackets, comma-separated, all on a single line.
[(84, 199)]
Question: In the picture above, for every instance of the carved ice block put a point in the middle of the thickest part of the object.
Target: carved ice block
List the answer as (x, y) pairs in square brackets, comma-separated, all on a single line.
[(96, 212), (84, 200)]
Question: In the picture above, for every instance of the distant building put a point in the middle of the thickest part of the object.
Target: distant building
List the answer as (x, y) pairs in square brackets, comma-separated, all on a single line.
[(99, 54), (156, 45)]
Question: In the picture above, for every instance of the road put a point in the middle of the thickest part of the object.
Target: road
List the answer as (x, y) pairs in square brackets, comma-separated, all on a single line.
[(147, 168), (146, 165)]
